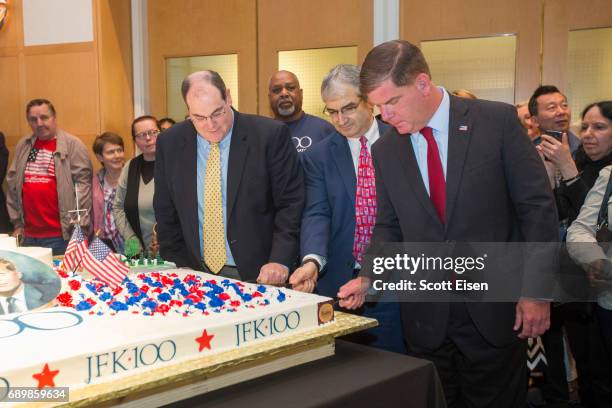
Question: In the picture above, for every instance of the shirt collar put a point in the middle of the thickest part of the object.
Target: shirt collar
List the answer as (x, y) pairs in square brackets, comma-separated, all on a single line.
[(439, 120)]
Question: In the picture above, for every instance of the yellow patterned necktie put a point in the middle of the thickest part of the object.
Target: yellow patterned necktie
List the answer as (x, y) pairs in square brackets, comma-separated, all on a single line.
[(214, 233)]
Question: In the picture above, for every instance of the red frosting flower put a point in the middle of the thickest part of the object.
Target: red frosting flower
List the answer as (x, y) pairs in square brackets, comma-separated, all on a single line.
[(65, 299), (74, 284), (194, 298), (162, 308)]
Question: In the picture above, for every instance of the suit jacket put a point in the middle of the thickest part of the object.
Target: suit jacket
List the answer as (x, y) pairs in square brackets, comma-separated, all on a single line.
[(328, 223), (36, 295), (497, 190), (265, 195)]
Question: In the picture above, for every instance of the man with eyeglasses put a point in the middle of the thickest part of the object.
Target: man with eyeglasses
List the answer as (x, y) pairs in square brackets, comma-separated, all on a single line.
[(285, 97), (229, 189), (46, 167), (340, 208)]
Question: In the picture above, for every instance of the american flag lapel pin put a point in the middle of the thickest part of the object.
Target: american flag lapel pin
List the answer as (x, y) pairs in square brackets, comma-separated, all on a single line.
[(463, 128)]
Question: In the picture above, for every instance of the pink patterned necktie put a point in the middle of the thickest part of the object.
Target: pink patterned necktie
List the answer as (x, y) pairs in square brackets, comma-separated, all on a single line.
[(365, 202), (437, 184)]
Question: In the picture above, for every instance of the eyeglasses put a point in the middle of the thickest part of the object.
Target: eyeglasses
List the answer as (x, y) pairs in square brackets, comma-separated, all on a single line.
[(213, 116), (150, 133), (346, 110)]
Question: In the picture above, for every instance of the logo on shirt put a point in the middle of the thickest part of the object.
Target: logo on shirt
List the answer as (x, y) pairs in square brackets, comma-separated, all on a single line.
[(302, 143)]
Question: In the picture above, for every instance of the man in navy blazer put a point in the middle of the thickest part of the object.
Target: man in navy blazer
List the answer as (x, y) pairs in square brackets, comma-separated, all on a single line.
[(328, 234)]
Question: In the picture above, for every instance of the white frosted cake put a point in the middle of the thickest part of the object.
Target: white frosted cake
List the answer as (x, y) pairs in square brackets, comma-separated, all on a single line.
[(98, 334)]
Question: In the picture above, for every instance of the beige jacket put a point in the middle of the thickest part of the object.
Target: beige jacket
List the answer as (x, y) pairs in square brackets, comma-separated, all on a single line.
[(72, 165)]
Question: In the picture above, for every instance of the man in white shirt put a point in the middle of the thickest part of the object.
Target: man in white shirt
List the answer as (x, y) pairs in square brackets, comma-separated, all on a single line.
[(340, 208), (15, 295)]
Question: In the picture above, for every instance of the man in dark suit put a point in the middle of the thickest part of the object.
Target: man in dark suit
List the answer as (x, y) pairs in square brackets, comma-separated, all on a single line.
[(229, 188), (340, 205), (460, 170)]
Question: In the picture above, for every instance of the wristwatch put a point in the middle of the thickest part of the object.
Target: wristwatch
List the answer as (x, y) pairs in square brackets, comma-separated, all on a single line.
[(314, 261)]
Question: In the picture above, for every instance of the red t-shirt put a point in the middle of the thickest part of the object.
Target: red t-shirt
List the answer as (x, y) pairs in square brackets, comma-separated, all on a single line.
[(40, 205)]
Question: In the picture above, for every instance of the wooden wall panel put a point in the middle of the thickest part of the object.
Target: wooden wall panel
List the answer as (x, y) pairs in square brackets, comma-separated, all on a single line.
[(12, 111), (193, 28), (11, 34), (69, 81), (114, 40), (89, 83), (11, 37), (560, 16), (294, 25), (447, 19)]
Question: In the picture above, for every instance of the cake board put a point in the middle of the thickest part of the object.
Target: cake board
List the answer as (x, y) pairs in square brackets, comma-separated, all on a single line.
[(198, 376)]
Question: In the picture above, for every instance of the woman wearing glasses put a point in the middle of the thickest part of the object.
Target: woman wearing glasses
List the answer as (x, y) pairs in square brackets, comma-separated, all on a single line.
[(133, 208)]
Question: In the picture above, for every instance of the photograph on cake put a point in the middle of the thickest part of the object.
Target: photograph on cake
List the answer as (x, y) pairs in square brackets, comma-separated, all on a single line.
[(25, 283)]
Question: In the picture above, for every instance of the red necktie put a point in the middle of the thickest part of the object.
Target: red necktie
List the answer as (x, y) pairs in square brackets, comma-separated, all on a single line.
[(365, 202), (437, 184)]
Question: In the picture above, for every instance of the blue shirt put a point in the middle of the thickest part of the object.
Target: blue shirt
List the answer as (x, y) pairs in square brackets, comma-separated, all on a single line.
[(308, 131), (203, 151), (439, 123)]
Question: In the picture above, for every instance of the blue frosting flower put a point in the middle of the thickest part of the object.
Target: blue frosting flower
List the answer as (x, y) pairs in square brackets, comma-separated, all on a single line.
[(83, 305), (106, 296), (118, 306), (215, 301), (132, 288), (151, 304)]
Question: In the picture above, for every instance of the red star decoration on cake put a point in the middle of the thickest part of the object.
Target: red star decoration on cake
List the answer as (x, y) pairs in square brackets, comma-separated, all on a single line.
[(45, 378), (204, 340)]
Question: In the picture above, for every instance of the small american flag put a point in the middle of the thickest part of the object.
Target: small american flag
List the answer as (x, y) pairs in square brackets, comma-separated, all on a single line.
[(463, 128), (103, 264), (76, 249)]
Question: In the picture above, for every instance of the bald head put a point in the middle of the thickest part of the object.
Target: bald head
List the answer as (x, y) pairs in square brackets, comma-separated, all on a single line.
[(285, 96), (200, 81), (209, 104)]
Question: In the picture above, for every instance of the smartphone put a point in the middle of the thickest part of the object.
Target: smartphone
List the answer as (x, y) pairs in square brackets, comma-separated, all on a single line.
[(554, 133)]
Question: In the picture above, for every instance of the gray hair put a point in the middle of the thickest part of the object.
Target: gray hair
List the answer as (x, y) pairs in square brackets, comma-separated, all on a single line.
[(345, 74)]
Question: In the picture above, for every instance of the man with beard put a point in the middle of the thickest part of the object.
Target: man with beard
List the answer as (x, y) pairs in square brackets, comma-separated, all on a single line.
[(285, 97)]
